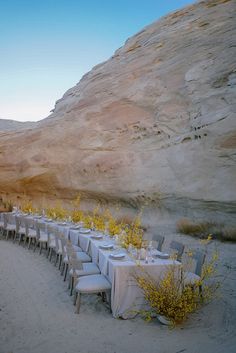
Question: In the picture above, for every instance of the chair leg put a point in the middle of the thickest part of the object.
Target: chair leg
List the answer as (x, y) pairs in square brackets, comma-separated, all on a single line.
[(48, 252), (15, 236), (108, 296), (20, 238), (103, 296), (62, 268), (65, 275), (35, 244), (40, 248), (72, 285), (56, 259), (78, 301), (29, 243), (50, 256), (60, 260)]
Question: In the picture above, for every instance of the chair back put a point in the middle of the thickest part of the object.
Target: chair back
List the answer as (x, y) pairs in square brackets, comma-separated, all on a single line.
[(18, 223), (29, 224), (5, 220), (58, 236), (199, 257), (63, 245), (159, 240), (178, 249), (75, 263)]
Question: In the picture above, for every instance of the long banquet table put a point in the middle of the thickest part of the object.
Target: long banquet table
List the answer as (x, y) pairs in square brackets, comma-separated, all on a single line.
[(126, 297)]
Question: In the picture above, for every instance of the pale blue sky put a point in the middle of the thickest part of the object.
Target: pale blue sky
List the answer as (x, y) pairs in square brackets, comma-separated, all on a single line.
[(46, 46)]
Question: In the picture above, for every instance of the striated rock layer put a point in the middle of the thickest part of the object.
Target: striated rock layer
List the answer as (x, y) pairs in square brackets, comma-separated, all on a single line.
[(154, 125)]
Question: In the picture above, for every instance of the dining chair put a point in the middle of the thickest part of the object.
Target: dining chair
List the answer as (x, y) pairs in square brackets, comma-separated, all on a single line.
[(30, 232), (178, 249), (92, 284), (78, 268), (80, 255), (58, 248), (1, 223), (9, 224), (159, 240), (51, 241), (20, 228), (42, 236), (192, 277)]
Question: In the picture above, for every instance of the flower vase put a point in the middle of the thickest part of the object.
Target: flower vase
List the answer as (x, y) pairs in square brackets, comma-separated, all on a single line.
[(164, 320)]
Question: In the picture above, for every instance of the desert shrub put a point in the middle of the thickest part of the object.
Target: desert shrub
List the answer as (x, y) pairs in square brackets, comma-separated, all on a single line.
[(203, 229)]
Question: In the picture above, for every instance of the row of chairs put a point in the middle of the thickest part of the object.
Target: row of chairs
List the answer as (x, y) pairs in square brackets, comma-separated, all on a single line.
[(177, 249), (84, 275)]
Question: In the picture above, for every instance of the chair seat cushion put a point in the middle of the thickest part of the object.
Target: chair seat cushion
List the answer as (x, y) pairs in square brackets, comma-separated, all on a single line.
[(52, 244), (11, 227), (65, 259), (32, 233), (83, 257), (89, 268), (93, 284), (43, 237), (190, 278), (21, 230)]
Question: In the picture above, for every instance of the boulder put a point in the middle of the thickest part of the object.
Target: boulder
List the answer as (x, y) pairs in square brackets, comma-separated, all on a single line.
[(154, 126)]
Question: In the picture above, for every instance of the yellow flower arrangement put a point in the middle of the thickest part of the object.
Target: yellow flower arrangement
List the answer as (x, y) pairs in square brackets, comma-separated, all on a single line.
[(132, 234), (28, 207), (171, 296), (57, 212)]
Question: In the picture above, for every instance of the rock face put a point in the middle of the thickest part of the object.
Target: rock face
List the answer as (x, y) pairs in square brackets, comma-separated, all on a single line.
[(9, 125), (155, 124)]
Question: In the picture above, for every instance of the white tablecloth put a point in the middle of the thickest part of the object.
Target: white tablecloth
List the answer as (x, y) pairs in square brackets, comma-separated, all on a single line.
[(126, 296)]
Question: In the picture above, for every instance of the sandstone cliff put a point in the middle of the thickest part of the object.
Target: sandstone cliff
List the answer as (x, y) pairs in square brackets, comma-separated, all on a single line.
[(9, 125), (155, 124)]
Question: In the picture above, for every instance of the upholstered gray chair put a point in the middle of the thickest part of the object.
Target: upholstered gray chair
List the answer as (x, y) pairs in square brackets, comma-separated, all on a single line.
[(30, 232), (158, 241), (20, 228), (78, 268), (42, 236), (177, 249), (92, 284), (9, 225), (199, 259)]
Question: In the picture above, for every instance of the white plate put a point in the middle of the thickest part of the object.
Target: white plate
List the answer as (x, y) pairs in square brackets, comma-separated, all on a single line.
[(84, 230), (75, 228), (96, 236), (117, 256), (106, 246), (62, 223), (163, 256)]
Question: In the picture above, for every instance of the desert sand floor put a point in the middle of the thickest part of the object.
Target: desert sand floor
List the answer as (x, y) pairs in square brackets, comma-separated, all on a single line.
[(37, 315)]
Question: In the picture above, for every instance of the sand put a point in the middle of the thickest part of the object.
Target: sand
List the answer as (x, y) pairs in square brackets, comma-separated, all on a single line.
[(37, 315)]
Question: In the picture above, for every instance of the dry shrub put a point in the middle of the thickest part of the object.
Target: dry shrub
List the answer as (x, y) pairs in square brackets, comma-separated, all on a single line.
[(203, 229), (185, 226), (229, 234)]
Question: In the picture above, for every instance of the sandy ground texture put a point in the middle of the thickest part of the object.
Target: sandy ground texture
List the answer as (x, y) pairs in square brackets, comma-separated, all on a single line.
[(37, 315)]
